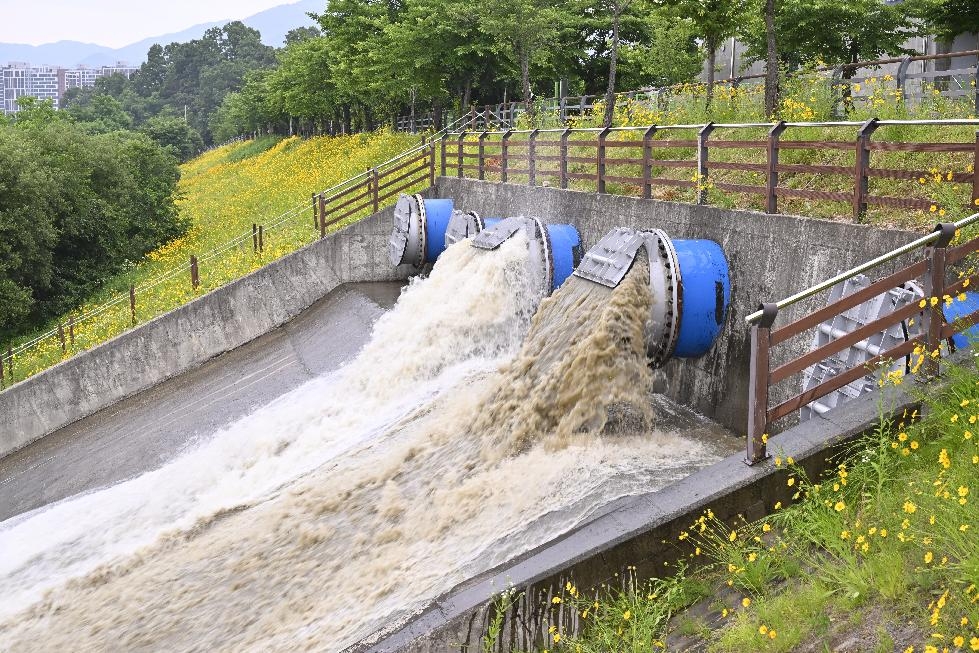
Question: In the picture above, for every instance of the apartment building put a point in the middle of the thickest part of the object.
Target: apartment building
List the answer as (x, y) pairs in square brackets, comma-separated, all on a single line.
[(18, 79)]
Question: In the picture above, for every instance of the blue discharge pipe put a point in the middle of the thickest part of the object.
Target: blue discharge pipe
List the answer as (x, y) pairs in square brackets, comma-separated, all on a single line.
[(689, 282), (424, 228), (706, 294), (565, 244), (437, 215), (961, 309), (552, 253)]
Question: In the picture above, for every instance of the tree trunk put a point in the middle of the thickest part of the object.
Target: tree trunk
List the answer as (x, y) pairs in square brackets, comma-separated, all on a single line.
[(345, 127), (467, 93), (771, 64), (711, 66), (525, 82), (613, 57), (437, 115), (411, 122)]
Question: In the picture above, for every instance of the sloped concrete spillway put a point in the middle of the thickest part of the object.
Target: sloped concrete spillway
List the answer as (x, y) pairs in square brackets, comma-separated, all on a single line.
[(479, 421)]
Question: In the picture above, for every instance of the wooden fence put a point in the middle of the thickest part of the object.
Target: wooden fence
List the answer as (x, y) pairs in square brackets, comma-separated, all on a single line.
[(638, 160), (931, 266), (373, 189)]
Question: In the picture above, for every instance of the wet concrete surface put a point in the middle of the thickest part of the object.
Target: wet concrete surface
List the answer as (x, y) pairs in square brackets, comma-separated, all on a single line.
[(145, 431)]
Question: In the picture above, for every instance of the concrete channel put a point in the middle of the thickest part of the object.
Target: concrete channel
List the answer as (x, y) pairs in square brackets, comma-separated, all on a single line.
[(132, 403)]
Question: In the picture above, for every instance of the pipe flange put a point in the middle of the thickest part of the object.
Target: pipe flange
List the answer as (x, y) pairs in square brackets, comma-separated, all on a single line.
[(422, 229), (547, 247), (663, 328)]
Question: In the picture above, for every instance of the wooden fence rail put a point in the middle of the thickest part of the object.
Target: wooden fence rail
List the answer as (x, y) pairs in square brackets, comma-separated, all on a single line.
[(640, 159)]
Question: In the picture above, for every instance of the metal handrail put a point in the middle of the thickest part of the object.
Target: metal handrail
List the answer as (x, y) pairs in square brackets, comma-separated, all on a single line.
[(849, 274)]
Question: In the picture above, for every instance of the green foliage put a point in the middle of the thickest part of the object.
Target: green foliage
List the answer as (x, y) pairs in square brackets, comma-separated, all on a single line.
[(75, 205), (831, 32), (946, 18), (175, 135)]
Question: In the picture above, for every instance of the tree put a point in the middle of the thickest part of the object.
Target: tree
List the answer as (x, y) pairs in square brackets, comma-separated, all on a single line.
[(771, 59), (175, 135), (714, 21), (527, 30), (300, 34), (946, 18), (832, 32)]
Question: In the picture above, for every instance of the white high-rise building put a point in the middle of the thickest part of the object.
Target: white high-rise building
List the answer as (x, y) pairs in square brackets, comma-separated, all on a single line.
[(19, 80)]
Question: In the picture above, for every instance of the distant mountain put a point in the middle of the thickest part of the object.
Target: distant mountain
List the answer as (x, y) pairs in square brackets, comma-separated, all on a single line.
[(272, 23)]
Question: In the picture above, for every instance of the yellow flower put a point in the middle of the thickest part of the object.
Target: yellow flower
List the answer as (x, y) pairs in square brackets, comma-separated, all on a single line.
[(772, 634), (839, 507), (791, 481), (909, 507), (933, 208), (765, 527), (557, 637), (914, 444), (745, 602), (958, 641), (556, 600), (763, 629), (627, 615), (733, 536), (929, 557)]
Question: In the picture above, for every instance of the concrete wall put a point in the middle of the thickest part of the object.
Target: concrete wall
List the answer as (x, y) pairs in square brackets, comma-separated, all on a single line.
[(770, 256), (186, 337)]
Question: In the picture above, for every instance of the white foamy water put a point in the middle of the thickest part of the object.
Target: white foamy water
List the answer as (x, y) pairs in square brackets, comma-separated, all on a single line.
[(445, 448), (465, 318)]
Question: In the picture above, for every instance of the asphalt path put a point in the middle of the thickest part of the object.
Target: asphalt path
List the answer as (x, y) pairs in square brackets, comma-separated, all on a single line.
[(145, 431)]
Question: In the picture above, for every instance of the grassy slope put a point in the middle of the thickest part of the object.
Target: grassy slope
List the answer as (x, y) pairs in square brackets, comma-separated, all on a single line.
[(223, 192)]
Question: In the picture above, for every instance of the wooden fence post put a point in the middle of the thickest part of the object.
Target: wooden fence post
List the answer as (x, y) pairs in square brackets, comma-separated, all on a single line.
[(132, 303), (254, 237), (532, 158), (758, 377), (61, 339), (431, 163), (462, 139), (445, 137), (322, 203), (600, 159), (861, 181), (934, 317), (316, 221), (771, 198), (482, 155), (647, 165), (563, 175), (261, 238), (505, 155), (194, 274), (375, 184), (702, 157)]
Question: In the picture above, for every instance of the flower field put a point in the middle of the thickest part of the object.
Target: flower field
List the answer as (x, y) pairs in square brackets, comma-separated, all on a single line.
[(224, 192)]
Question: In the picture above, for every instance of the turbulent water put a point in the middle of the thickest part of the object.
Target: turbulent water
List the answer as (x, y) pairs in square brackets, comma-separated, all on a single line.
[(442, 450)]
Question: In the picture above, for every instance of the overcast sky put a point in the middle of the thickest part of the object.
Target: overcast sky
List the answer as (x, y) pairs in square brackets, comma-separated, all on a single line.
[(114, 23)]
